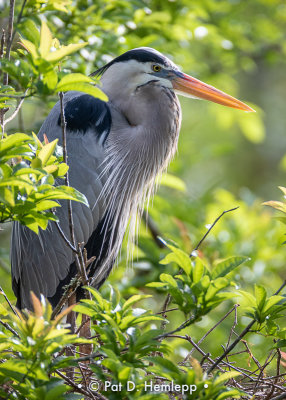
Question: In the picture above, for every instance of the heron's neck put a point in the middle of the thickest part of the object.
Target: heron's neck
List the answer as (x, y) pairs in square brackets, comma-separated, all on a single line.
[(143, 139), (141, 143), (152, 118)]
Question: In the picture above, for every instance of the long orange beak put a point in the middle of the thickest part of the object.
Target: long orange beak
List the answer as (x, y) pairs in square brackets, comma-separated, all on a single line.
[(187, 85)]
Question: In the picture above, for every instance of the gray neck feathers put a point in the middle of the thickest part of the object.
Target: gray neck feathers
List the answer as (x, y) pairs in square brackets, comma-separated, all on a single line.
[(142, 141)]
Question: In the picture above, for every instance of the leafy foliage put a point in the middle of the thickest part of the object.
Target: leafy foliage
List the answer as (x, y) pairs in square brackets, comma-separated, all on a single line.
[(40, 66), (279, 205), (197, 290), (29, 355), (130, 360), (267, 311), (28, 170)]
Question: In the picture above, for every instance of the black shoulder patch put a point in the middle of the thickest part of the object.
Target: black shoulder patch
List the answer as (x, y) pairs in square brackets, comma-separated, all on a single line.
[(86, 112)]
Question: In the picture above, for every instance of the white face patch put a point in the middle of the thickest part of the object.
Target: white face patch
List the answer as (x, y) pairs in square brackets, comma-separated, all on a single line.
[(128, 75)]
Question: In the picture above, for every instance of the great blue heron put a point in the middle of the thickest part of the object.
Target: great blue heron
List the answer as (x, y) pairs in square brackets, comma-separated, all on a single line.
[(115, 152)]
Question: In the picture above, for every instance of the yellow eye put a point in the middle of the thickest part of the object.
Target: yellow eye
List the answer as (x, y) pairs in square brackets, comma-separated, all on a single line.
[(156, 68)]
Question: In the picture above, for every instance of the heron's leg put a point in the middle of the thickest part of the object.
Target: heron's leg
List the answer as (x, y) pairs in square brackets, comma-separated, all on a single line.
[(71, 319), (85, 348)]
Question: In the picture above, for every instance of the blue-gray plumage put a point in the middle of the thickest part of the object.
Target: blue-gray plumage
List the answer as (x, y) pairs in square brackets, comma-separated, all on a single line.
[(115, 152)]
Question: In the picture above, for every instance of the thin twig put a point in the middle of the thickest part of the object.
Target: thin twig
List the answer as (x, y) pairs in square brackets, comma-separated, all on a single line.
[(17, 109), (15, 96), (238, 339), (251, 355), (8, 301), (79, 388), (280, 397), (190, 340), (78, 255), (2, 44), (267, 362), (206, 355), (68, 243), (19, 18), (70, 290), (7, 326), (184, 325), (213, 328), (65, 159), (9, 39), (169, 297), (165, 311), (82, 325), (211, 227), (89, 357), (278, 364)]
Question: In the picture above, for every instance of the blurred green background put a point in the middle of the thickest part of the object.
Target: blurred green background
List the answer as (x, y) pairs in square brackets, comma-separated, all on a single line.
[(226, 158)]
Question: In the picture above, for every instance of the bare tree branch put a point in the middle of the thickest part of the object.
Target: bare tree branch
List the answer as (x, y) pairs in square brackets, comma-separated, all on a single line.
[(211, 227), (238, 339), (8, 301), (7, 326), (213, 328), (17, 109)]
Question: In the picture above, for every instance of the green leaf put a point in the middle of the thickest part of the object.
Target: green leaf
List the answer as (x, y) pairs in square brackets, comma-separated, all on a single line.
[(46, 152), (225, 267), (30, 47), (46, 205), (74, 78), (230, 394), (283, 190), (281, 343), (66, 193), (22, 183), (83, 87), (165, 364), (198, 270), (248, 296), (124, 374), (278, 205), (271, 301), (30, 31), (64, 51), (156, 284), (50, 79), (180, 257), (226, 377), (260, 294), (133, 299), (14, 140), (62, 169), (45, 40), (5, 171), (97, 296), (168, 279)]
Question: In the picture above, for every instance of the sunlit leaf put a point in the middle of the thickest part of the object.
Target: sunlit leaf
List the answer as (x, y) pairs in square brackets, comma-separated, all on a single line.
[(64, 51), (45, 40), (225, 267)]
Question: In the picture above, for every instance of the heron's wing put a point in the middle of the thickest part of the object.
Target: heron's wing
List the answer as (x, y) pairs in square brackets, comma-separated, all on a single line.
[(41, 262)]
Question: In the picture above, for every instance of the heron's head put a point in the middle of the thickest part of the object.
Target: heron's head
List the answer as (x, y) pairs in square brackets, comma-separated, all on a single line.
[(138, 67)]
